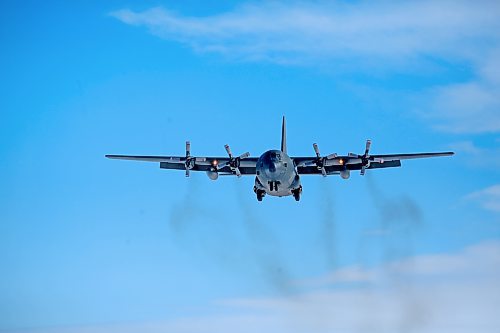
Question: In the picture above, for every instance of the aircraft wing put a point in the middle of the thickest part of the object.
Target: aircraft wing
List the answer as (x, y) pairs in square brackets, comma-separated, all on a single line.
[(393, 157), (245, 165), (331, 165)]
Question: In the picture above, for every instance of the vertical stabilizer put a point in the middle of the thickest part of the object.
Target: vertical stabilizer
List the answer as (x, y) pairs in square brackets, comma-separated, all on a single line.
[(283, 136)]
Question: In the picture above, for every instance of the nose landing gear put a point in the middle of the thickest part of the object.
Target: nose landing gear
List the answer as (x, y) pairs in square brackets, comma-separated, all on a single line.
[(273, 185)]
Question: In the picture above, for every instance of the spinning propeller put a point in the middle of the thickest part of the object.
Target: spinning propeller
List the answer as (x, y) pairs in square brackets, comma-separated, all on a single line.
[(190, 161), (321, 161), (351, 158), (364, 158), (234, 162)]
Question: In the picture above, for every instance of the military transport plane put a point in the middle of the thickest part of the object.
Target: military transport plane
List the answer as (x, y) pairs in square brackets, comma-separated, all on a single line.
[(278, 174)]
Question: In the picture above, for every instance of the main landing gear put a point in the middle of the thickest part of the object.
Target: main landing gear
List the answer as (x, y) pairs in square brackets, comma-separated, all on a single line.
[(260, 193), (296, 193)]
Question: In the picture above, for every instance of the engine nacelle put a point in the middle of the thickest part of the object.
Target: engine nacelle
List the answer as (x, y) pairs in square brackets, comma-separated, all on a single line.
[(345, 174), (213, 175)]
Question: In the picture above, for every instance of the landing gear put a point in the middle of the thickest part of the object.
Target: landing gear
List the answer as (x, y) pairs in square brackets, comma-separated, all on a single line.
[(260, 194), (296, 193), (273, 185)]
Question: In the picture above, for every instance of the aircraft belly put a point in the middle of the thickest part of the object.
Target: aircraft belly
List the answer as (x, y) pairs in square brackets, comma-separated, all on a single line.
[(283, 183), (279, 193)]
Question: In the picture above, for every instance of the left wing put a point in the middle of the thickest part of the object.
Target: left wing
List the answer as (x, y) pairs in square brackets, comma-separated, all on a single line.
[(230, 165), (222, 165)]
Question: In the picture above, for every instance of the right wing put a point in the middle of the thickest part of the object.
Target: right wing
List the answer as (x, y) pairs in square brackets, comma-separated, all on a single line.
[(174, 159), (394, 157), (331, 165)]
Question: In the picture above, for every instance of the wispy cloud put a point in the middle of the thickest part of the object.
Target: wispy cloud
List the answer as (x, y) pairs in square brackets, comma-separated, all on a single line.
[(331, 29), (429, 294), (391, 36), (474, 106), (476, 156), (488, 198)]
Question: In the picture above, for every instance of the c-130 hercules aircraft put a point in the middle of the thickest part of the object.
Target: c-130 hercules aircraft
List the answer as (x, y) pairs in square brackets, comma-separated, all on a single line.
[(278, 174)]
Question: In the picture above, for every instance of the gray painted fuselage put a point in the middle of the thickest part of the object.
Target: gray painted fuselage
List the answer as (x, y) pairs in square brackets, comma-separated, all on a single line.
[(276, 174)]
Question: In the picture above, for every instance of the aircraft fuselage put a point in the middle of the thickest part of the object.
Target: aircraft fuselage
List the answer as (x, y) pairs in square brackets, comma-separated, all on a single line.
[(276, 175)]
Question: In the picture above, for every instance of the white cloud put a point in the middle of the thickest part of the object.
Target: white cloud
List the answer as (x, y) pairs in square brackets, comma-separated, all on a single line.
[(391, 36), (478, 156), (474, 106), (432, 293), (489, 198), (386, 29)]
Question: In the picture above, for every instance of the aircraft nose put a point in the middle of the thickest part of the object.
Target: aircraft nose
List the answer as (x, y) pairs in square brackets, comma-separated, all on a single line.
[(272, 167)]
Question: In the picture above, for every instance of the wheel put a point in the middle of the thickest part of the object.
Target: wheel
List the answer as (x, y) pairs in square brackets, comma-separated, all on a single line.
[(296, 195), (260, 195)]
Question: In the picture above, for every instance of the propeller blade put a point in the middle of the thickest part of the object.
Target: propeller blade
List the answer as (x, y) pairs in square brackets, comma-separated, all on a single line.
[(228, 150), (316, 150), (188, 157), (245, 155), (233, 163), (363, 168), (188, 149), (368, 145)]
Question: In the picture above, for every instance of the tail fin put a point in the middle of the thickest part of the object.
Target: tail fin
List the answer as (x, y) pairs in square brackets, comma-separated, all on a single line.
[(283, 136)]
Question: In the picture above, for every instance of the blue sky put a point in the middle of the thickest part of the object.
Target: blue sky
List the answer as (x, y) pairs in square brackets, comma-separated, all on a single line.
[(93, 245)]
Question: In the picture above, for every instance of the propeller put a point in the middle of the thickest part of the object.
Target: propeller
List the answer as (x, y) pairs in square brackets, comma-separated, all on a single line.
[(234, 162), (321, 161), (190, 162), (365, 157)]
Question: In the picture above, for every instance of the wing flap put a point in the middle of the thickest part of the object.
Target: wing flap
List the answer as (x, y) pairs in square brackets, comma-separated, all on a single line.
[(335, 169)]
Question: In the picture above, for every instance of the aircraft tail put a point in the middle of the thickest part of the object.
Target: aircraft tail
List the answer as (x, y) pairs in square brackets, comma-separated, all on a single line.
[(283, 136)]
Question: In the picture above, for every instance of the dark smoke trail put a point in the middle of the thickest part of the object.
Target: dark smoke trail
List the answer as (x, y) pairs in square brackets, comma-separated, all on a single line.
[(400, 218), (195, 226), (265, 249), (328, 227)]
